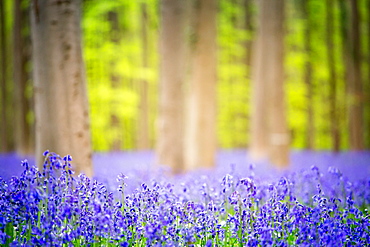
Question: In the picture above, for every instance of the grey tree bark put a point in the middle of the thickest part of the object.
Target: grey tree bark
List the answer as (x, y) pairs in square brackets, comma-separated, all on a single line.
[(143, 121), (367, 96), (23, 143), (279, 139), (248, 25), (170, 128), (344, 19), (258, 147), (61, 105), (269, 133), (4, 133), (201, 137), (354, 80), (308, 74), (335, 134), (115, 79)]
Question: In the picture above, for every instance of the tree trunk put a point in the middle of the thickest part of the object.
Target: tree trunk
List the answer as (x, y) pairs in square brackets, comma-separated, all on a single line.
[(248, 45), (335, 135), (258, 147), (170, 143), (310, 127), (354, 82), (61, 106), (259, 125), (343, 12), (20, 76), (249, 28), (201, 137), (368, 77), (279, 135), (143, 122), (4, 119), (269, 133), (115, 123)]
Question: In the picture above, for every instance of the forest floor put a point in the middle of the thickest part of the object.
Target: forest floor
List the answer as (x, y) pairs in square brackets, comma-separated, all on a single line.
[(354, 165), (322, 199)]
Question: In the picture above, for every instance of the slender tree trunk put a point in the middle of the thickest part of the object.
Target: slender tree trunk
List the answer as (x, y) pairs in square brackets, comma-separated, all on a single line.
[(259, 100), (241, 21), (115, 80), (310, 127), (279, 135), (248, 45), (170, 137), (233, 59), (354, 81), (335, 135), (368, 77), (61, 106), (143, 122), (4, 119), (343, 12), (351, 56), (249, 28), (201, 123), (269, 126), (20, 75), (29, 106)]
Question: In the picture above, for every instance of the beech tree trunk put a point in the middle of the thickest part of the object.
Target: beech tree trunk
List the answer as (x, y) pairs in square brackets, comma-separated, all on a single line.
[(269, 133), (61, 106), (143, 122), (354, 81), (249, 28), (115, 80), (201, 137), (343, 12), (279, 136), (258, 147), (368, 78), (170, 137), (335, 134), (4, 122), (310, 126), (22, 107), (367, 85)]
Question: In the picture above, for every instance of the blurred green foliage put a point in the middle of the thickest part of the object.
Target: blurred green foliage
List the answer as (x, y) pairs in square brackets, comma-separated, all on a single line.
[(111, 53), (117, 53)]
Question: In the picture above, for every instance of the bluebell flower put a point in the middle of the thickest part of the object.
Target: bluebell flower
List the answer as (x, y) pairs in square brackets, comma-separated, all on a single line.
[(208, 243), (67, 158), (250, 186), (3, 237)]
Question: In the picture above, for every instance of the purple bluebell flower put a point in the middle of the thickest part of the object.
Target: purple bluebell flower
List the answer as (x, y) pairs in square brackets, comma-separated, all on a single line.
[(295, 209)]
